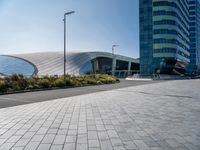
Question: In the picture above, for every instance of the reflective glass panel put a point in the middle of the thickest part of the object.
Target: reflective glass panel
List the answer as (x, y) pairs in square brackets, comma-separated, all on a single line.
[(11, 65), (86, 69)]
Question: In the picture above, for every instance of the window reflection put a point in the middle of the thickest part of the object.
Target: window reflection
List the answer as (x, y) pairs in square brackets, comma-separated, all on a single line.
[(11, 65), (86, 68)]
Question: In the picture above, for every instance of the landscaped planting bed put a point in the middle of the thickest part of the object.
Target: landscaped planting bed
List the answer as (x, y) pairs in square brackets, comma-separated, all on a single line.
[(18, 82)]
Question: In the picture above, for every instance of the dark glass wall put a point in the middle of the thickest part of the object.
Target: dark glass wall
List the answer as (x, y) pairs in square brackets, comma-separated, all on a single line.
[(194, 9), (121, 65), (146, 37)]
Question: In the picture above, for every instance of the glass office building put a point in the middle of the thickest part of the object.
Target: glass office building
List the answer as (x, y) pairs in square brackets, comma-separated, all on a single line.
[(165, 36), (194, 10)]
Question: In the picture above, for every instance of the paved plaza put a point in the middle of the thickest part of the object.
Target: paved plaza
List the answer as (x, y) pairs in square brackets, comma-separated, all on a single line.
[(160, 116), (46, 95)]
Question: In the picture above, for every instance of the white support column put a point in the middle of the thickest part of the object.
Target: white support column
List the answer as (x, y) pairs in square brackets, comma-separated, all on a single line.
[(129, 68), (113, 65), (96, 66)]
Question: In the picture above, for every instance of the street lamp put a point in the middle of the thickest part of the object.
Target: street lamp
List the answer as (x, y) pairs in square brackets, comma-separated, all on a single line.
[(114, 61), (68, 13), (113, 47)]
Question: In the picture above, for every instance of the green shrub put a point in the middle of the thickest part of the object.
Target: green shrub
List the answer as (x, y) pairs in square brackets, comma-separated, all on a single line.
[(30, 87), (70, 82), (35, 86), (16, 87), (17, 77), (90, 81), (44, 83), (59, 82), (3, 87)]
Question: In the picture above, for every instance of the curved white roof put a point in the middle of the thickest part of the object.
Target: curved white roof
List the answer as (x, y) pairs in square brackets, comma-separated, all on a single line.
[(51, 63)]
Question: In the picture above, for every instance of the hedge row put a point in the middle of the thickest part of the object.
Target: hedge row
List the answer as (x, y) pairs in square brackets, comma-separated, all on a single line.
[(19, 82)]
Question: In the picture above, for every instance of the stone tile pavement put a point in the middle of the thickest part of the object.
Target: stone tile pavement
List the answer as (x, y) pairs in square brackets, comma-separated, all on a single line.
[(161, 116)]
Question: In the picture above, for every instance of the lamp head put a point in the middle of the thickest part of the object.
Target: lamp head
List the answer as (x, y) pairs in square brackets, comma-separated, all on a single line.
[(69, 13), (115, 45)]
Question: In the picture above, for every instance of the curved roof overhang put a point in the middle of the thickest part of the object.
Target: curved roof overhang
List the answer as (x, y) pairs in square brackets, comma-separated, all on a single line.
[(51, 63)]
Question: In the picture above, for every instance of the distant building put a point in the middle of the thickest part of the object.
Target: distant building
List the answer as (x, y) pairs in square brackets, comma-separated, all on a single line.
[(80, 63), (169, 41)]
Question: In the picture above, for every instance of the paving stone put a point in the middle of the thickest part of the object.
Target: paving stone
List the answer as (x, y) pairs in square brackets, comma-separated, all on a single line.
[(59, 139), (56, 147), (72, 132), (31, 146), (71, 139), (62, 131), (2, 131), (124, 136), (92, 128), (150, 142), (112, 134), (44, 147), (17, 148), (2, 141), (173, 143), (28, 135), (82, 147), (14, 139), (164, 145), (6, 146), (129, 145), (116, 142), (37, 138), (119, 148), (94, 148), (48, 138), (70, 146), (8, 134), (92, 135), (82, 139), (34, 128), (142, 133), (182, 148), (141, 145), (22, 142), (42, 130), (106, 145), (103, 135), (191, 146), (156, 148), (93, 143), (20, 132)]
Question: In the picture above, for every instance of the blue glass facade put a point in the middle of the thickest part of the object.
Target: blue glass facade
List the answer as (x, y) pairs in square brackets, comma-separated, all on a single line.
[(86, 68), (166, 36), (146, 38), (12, 65), (194, 9)]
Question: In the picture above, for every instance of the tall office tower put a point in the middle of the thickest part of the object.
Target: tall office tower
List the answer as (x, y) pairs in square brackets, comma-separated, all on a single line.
[(164, 36), (194, 10)]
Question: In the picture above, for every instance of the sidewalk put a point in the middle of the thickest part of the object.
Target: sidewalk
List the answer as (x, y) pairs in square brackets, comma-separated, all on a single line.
[(161, 116)]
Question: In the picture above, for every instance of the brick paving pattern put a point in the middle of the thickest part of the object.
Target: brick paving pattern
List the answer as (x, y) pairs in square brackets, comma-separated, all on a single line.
[(161, 116)]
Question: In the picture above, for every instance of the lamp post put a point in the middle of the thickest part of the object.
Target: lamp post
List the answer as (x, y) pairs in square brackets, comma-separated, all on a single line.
[(114, 61), (68, 13), (113, 48)]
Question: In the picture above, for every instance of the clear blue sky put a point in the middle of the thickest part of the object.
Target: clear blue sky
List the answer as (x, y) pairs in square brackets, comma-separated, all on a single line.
[(36, 25)]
